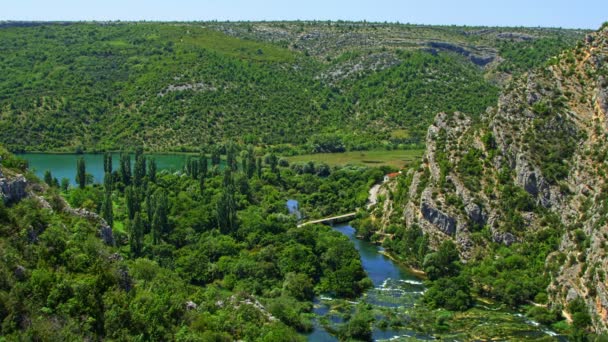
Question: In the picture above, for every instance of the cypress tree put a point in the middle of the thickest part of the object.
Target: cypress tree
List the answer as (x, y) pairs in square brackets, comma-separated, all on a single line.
[(201, 183), (139, 171), (203, 167), (48, 178), (108, 182), (194, 168), (259, 167), (231, 157), (244, 159), (152, 170), (136, 234), (226, 207), (107, 212), (215, 156), (187, 165), (65, 184), (251, 162), (125, 168), (150, 208), (132, 199), (107, 162), (160, 221), (81, 176), (272, 161)]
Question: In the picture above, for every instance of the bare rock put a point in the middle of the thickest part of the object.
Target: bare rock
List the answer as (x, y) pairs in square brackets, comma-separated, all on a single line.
[(13, 190), (441, 220)]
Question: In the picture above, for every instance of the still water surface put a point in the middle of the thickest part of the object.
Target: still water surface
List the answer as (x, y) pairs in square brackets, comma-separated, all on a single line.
[(64, 165)]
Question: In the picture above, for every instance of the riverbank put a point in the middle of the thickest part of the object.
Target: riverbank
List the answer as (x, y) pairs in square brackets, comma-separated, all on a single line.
[(417, 272)]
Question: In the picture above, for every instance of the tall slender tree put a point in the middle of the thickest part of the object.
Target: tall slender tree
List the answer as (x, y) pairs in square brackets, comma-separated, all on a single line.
[(272, 161), (136, 233), (251, 162), (215, 156), (160, 221), (107, 212), (81, 173), (258, 168), (203, 167), (231, 157), (226, 206), (139, 171), (152, 170), (107, 162), (150, 208), (125, 168), (48, 178), (133, 201)]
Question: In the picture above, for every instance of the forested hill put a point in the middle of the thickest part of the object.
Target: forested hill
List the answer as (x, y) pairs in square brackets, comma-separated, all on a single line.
[(313, 85)]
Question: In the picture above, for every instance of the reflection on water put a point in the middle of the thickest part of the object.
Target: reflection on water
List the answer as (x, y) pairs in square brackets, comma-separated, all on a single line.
[(64, 165)]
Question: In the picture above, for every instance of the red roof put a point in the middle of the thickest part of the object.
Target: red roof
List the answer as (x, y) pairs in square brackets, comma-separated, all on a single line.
[(393, 175)]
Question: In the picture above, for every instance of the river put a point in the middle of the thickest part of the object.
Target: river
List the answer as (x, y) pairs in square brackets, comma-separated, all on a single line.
[(394, 289), (395, 293), (64, 165)]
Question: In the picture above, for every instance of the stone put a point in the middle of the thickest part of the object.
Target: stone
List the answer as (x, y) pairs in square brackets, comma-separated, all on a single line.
[(13, 190), (441, 220)]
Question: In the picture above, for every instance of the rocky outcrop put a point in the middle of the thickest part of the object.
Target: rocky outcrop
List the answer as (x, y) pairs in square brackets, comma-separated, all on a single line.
[(14, 189), (540, 156), (105, 231), (477, 57), (441, 220)]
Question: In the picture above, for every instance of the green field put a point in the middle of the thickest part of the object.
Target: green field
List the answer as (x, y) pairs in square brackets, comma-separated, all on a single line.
[(395, 158)]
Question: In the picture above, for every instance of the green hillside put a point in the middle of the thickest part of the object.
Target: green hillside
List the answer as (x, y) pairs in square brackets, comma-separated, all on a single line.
[(169, 86)]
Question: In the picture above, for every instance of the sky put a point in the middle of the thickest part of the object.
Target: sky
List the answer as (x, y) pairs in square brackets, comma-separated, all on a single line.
[(588, 14)]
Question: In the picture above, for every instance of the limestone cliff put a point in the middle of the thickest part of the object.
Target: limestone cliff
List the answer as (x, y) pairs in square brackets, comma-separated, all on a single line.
[(537, 161), (12, 187)]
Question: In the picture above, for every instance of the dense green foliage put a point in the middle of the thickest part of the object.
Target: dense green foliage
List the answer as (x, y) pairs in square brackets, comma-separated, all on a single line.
[(92, 86), (176, 272), (527, 54)]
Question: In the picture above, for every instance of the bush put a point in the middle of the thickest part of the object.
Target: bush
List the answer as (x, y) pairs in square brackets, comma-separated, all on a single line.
[(450, 293)]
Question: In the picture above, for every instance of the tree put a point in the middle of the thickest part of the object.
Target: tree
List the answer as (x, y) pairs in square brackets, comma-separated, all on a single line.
[(48, 178), (152, 170), (251, 162), (136, 233), (258, 168), (231, 157), (215, 156), (108, 182), (203, 167), (451, 293), (107, 211), (81, 175), (226, 206), (150, 207), (106, 206), (132, 199), (160, 220), (444, 262), (201, 183), (107, 162), (191, 167), (139, 171), (125, 168), (65, 184), (272, 161)]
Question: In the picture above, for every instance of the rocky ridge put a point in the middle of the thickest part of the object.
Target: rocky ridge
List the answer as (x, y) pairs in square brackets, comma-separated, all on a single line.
[(537, 161)]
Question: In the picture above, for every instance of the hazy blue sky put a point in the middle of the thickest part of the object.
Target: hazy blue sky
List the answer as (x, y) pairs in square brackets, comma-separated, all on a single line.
[(555, 13)]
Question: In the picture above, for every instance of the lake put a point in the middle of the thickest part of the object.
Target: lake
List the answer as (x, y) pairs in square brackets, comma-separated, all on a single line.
[(64, 165)]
